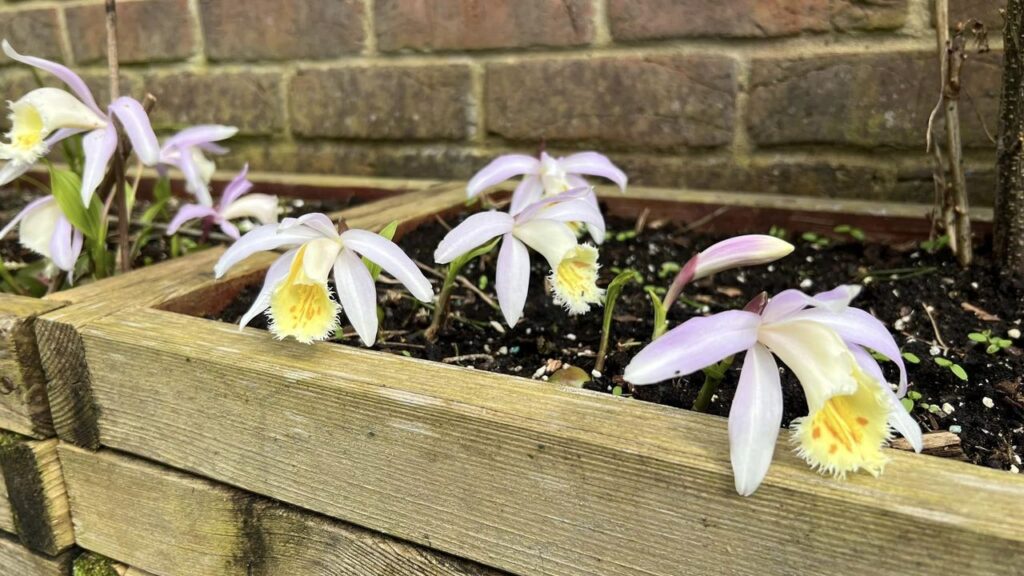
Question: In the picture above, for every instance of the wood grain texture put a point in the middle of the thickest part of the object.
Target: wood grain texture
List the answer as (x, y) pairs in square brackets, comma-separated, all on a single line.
[(17, 560), (23, 404), (521, 476), (6, 513), (174, 524), (35, 492)]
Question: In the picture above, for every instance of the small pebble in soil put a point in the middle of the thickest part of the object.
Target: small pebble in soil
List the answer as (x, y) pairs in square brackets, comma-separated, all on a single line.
[(934, 350), (595, 373), (947, 408), (987, 402), (806, 283), (1013, 333), (570, 337), (955, 429), (1014, 469)]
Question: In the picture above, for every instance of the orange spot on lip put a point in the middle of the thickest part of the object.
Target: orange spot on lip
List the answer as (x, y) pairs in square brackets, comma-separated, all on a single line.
[(816, 433), (832, 449), (862, 421)]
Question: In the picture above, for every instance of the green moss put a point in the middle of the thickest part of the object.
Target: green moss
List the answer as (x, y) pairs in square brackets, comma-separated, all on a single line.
[(8, 438), (89, 564)]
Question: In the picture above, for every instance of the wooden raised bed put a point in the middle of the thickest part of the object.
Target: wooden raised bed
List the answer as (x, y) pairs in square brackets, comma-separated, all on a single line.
[(512, 473)]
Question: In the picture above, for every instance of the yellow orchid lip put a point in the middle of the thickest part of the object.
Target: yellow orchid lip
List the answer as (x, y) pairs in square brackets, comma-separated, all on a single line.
[(574, 280), (302, 307)]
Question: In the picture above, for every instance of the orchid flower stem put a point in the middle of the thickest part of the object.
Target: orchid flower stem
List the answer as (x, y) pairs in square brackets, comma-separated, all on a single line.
[(124, 247), (611, 297), (713, 376), (6, 276), (441, 309)]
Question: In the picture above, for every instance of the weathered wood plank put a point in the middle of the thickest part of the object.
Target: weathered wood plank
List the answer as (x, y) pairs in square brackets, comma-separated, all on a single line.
[(17, 560), (92, 564), (6, 513), (23, 404), (521, 476), (35, 493), (175, 524)]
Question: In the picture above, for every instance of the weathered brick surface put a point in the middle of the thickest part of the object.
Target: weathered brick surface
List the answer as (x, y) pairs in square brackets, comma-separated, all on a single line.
[(985, 11), (869, 14), (482, 24), (382, 103), (249, 100), (867, 101), (147, 31), (32, 31), (655, 19), (281, 30), (643, 102)]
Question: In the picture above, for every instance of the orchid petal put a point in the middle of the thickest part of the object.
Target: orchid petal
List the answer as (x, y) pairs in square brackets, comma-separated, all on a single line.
[(137, 127), (693, 345), (262, 207), (572, 210), (99, 146), (596, 232), (38, 226), (65, 245), (277, 272), (499, 170), (238, 186), (59, 109), (749, 250), (194, 180), (858, 327), (357, 294), (12, 171), (392, 259), (315, 221), (319, 257), (229, 229), (32, 206), (474, 231), (527, 192), (261, 239), (817, 356), (790, 301), (199, 136), (189, 212), (550, 238), (754, 419), (73, 81), (61, 134), (512, 278), (899, 418), (594, 164)]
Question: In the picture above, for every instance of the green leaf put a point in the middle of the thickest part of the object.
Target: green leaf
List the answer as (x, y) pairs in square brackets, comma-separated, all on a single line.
[(858, 234), (913, 395), (388, 232), (879, 356), (842, 229), (617, 391), (482, 282), (660, 313), (943, 362), (992, 349), (461, 261), (908, 404), (1003, 343), (611, 294), (911, 357), (959, 372), (66, 187), (977, 337), (809, 237)]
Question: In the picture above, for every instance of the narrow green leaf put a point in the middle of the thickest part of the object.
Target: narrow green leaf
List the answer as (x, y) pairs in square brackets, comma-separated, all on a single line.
[(908, 404), (66, 187), (914, 395), (977, 337), (858, 234), (911, 357), (943, 362), (660, 313)]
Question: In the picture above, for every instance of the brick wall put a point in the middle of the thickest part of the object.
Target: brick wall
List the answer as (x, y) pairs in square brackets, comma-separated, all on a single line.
[(809, 97)]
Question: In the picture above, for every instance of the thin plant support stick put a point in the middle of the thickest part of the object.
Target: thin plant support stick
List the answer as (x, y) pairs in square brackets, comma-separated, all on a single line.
[(124, 246), (1009, 212)]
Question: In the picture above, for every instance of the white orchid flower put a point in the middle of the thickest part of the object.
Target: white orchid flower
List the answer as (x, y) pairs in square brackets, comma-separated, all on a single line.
[(45, 116), (544, 227), (295, 290), (187, 151), (546, 177), (823, 341), (46, 231), (234, 203)]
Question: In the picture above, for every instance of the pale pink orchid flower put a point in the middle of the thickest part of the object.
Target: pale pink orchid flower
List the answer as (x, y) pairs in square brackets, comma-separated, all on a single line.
[(45, 116), (544, 227), (295, 290), (46, 231), (548, 176), (825, 342), (187, 151), (235, 202)]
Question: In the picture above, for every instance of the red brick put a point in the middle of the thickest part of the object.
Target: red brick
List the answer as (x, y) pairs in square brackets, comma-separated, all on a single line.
[(382, 103), (643, 102), (482, 24), (869, 14), (863, 100), (281, 30), (249, 100), (657, 19), (147, 31), (33, 32)]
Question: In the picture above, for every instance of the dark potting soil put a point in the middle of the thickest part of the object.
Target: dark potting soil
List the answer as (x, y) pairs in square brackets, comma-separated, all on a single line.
[(900, 282)]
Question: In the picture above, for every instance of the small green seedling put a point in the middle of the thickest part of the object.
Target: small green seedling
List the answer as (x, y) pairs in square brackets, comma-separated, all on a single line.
[(778, 232), (482, 281), (911, 357), (623, 236), (851, 231), (668, 269), (955, 368), (993, 344), (814, 239), (936, 244), (910, 400)]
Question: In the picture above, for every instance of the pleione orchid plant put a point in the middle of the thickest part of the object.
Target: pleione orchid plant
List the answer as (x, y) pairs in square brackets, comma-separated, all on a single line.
[(544, 227), (46, 231), (825, 342), (295, 292), (548, 176), (187, 151), (234, 203)]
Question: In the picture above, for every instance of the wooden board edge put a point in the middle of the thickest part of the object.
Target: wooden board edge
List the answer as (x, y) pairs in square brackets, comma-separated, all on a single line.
[(22, 380), (18, 560), (266, 538), (35, 489)]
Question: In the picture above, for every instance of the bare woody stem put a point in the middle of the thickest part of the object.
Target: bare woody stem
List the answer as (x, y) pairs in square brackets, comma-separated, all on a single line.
[(441, 308), (117, 168)]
